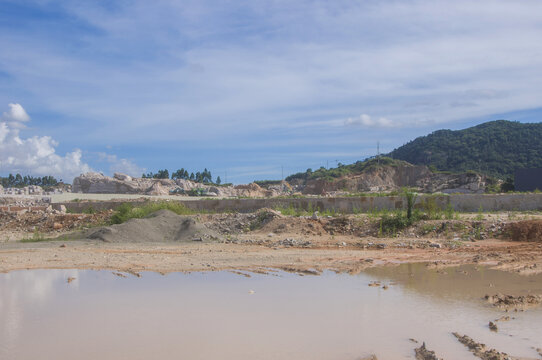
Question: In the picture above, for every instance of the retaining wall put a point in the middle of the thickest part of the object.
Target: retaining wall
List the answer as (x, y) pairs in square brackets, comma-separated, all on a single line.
[(459, 202), (17, 208)]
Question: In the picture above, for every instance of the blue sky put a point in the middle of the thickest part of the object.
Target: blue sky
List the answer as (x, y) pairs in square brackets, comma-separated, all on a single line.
[(249, 88)]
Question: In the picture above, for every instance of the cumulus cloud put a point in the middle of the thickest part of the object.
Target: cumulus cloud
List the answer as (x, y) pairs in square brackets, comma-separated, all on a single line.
[(16, 113), (121, 165), (34, 155)]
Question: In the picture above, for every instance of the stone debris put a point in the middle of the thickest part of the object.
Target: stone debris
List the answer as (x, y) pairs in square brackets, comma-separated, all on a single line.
[(289, 242), (45, 220), (31, 190), (508, 302), (493, 326), (422, 353), (480, 350)]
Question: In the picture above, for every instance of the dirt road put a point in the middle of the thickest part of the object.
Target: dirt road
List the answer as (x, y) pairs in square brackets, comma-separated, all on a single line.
[(524, 258)]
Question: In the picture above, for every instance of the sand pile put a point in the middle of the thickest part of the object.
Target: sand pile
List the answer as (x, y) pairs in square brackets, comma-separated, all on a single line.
[(161, 226)]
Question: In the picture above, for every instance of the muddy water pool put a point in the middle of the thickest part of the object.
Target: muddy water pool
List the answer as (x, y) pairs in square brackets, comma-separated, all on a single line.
[(222, 315)]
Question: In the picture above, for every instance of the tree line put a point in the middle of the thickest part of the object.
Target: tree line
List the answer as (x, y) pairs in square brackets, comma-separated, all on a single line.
[(21, 181), (200, 177)]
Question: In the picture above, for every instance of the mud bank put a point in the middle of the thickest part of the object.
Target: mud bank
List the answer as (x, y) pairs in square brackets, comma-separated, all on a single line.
[(522, 258)]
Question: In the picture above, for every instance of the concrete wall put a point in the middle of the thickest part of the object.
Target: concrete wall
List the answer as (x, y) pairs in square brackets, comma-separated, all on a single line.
[(459, 202), (16, 208)]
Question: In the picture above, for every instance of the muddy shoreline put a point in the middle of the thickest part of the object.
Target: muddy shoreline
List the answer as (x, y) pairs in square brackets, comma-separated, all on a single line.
[(522, 258)]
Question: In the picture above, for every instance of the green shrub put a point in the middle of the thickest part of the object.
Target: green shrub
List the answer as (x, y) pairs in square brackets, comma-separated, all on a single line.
[(449, 212), (480, 215), (127, 211), (391, 224), (411, 199)]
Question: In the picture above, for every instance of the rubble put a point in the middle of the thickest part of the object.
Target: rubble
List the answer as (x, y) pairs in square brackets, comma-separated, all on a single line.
[(508, 302), (289, 242), (492, 326), (480, 350), (45, 220), (31, 190), (422, 353)]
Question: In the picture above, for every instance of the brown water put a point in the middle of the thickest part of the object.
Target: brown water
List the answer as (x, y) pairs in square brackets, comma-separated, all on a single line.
[(283, 316)]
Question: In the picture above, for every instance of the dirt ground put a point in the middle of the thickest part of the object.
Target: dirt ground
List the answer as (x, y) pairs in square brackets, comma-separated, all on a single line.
[(267, 240)]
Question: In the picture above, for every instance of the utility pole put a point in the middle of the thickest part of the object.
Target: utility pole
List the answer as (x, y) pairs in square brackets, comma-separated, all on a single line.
[(327, 164)]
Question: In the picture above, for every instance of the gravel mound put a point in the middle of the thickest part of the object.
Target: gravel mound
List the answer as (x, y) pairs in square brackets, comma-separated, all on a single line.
[(161, 226)]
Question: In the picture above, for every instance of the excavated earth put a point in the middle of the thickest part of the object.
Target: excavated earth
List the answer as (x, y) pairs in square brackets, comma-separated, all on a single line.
[(266, 239), (159, 227)]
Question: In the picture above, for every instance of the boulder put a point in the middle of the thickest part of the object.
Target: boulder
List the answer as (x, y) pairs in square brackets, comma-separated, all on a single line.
[(122, 177)]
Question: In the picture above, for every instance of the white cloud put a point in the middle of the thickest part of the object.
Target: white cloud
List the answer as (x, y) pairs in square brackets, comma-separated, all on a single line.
[(366, 120), (124, 166), (273, 59), (16, 113), (34, 155), (169, 73)]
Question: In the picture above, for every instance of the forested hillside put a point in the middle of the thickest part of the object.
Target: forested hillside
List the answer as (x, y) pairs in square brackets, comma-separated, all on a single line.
[(496, 148)]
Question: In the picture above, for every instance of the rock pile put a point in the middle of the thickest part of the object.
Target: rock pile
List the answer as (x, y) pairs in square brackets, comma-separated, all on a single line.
[(27, 190), (95, 183), (390, 178)]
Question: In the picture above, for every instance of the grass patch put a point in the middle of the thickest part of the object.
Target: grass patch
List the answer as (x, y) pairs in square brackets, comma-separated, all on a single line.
[(38, 237), (392, 223), (480, 216), (373, 194), (127, 211), (294, 211)]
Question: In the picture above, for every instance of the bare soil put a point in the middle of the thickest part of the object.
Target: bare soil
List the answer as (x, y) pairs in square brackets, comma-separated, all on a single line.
[(259, 242)]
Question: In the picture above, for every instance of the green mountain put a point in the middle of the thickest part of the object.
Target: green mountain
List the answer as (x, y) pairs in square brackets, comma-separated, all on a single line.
[(495, 148)]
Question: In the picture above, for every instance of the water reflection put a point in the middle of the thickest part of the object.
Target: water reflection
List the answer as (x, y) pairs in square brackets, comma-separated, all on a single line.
[(22, 290), (227, 316)]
